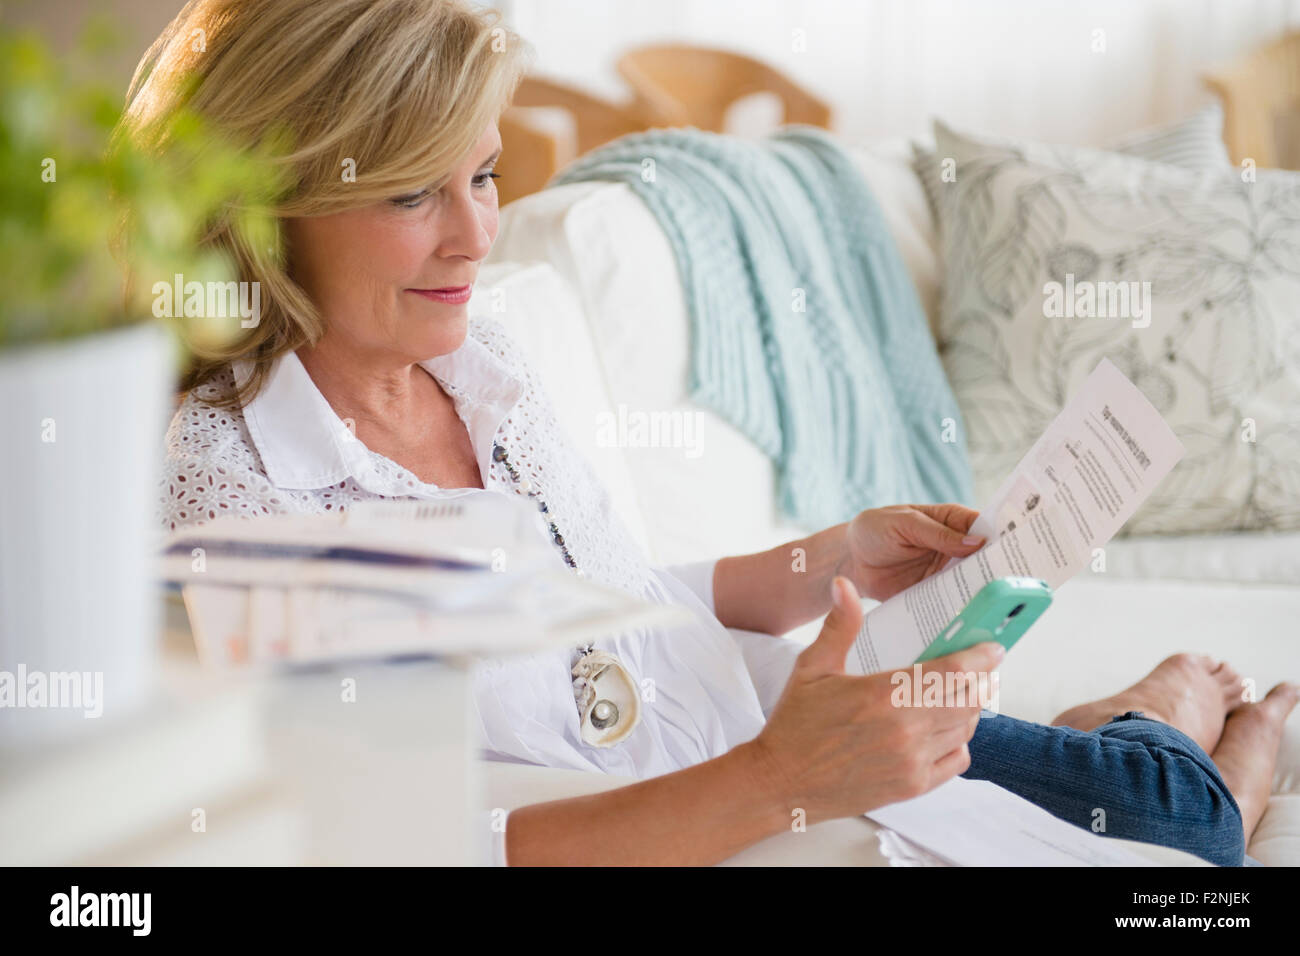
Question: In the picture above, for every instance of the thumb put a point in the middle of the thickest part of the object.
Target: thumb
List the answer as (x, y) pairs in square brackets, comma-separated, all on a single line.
[(826, 655), (939, 537)]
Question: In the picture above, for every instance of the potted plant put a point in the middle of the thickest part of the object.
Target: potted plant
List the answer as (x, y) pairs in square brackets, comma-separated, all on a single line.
[(94, 224)]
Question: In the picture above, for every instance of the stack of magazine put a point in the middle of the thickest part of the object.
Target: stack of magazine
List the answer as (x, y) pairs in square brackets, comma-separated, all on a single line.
[(469, 575)]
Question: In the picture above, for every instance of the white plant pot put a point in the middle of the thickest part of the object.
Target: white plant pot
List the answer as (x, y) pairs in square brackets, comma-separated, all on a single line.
[(81, 430)]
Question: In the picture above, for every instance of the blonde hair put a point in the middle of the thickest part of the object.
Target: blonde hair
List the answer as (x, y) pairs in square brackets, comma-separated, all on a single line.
[(398, 91)]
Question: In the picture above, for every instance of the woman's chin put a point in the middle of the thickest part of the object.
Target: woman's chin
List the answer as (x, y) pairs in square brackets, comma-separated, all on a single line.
[(441, 335)]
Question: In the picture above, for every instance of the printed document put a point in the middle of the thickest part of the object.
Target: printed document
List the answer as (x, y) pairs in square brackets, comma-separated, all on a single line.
[(976, 823), (1084, 477)]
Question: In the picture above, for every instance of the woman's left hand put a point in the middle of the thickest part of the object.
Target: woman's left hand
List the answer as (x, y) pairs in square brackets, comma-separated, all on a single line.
[(890, 549)]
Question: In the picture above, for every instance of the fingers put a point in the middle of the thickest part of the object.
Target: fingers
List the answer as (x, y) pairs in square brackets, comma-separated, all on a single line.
[(957, 718), (950, 765), (981, 659), (933, 533), (955, 516), (969, 677), (949, 739), (827, 654)]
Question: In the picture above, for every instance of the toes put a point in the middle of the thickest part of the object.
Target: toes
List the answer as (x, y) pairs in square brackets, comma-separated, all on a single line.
[(1226, 673), (1283, 696), (1271, 712), (1198, 665), (1237, 694), (1234, 688), (1255, 720), (1187, 662)]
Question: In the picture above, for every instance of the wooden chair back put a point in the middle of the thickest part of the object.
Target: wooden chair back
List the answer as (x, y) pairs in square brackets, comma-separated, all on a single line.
[(694, 86), (1261, 104)]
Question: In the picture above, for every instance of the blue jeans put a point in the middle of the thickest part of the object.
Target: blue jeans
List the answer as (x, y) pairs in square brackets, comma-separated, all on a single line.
[(1154, 783)]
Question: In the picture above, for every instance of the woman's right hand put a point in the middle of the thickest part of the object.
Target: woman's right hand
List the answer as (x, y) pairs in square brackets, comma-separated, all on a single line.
[(838, 745)]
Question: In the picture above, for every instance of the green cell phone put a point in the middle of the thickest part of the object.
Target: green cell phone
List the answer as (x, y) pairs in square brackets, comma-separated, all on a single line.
[(1001, 611)]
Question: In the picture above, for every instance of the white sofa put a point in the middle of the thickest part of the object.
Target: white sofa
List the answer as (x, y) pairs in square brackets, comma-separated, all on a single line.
[(585, 279)]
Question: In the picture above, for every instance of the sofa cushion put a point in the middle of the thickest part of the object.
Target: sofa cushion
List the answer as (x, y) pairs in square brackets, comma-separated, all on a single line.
[(1257, 558), (1037, 240), (1277, 839), (1195, 143)]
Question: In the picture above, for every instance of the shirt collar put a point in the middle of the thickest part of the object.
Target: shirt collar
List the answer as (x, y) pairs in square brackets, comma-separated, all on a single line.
[(304, 445)]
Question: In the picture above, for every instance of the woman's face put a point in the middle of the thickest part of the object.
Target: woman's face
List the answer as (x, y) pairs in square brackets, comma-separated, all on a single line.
[(373, 272)]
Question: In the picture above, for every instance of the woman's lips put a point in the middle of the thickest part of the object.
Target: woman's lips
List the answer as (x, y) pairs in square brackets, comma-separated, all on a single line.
[(454, 296)]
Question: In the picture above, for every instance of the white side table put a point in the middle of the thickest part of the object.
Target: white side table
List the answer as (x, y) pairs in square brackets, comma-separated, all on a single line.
[(289, 769)]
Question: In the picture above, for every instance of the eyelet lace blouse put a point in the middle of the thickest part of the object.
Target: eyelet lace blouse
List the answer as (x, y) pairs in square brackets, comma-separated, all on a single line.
[(288, 452)]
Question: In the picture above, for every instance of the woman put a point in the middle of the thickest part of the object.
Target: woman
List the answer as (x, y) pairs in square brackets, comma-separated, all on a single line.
[(365, 378)]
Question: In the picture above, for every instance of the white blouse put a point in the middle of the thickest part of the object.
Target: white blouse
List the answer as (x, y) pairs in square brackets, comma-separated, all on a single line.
[(288, 451)]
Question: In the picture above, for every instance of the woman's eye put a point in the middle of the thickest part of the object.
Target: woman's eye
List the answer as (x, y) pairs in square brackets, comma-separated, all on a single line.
[(411, 201)]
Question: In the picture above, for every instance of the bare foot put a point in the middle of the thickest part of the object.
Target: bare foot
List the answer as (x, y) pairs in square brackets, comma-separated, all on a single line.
[(1247, 751), (1192, 692)]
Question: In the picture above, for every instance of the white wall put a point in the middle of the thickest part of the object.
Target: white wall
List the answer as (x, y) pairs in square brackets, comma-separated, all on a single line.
[(1017, 67)]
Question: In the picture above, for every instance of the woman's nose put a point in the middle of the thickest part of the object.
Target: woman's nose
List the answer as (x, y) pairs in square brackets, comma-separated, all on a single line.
[(466, 229)]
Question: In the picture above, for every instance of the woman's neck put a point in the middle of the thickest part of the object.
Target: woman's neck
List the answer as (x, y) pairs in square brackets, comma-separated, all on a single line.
[(376, 391)]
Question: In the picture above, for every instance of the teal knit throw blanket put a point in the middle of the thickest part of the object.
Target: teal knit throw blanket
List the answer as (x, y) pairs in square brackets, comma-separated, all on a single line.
[(807, 333)]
